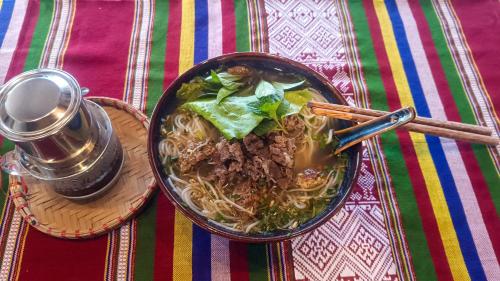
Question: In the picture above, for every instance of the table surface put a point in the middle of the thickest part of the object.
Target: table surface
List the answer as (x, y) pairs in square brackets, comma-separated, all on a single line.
[(423, 207)]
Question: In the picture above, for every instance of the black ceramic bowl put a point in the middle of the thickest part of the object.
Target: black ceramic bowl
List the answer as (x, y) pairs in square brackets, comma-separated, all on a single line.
[(168, 103)]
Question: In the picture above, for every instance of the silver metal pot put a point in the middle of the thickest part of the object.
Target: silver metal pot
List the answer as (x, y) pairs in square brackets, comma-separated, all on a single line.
[(60, 138)]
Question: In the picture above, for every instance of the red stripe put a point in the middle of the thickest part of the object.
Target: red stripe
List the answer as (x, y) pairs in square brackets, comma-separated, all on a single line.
[(423, 201), (238, 261), (24, 41), (85, 258), (164, 245), (97, 53), (228, 27), (480, 25), (173, 43), (479, 185)]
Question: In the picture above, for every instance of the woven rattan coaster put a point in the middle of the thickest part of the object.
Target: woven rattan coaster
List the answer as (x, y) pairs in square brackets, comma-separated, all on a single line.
[(55, 215)]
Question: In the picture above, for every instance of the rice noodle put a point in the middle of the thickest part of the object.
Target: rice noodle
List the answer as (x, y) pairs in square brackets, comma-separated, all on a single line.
[(202, 194)]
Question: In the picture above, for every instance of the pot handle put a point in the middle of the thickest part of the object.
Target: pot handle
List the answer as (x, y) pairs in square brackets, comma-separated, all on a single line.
[(85, 91), (356, 134), (10, 164)]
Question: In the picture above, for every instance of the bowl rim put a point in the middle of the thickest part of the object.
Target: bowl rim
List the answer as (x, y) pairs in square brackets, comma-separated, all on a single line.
[(196, 218)]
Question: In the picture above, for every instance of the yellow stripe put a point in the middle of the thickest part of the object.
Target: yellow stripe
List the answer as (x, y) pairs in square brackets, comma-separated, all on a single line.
[(183, 229), (186, 55), (183, 247), (106, 261), (434, 189)]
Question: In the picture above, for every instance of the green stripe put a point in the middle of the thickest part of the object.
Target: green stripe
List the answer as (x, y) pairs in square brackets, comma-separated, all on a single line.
[(146, 222), (157, 61), (415, 236), (242, 26), (145, 241), (257, 262), (40, 35), (7, 146), (461, 100)]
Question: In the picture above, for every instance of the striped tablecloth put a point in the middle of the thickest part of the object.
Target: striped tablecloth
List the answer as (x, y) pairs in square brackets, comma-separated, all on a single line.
[(423, 207)]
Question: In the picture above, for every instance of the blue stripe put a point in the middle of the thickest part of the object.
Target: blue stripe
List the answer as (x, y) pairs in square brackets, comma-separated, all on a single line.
[(455, 207), (201, 31), (5, 16), (202, 265)]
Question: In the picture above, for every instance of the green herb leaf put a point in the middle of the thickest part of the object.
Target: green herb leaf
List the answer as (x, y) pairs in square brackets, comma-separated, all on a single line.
[(223, 93), (225, 79), (265, 127), (284, 109), (266, 106), (233, 117), (287, 86), (196, 88), (265, 88), (293, 102)]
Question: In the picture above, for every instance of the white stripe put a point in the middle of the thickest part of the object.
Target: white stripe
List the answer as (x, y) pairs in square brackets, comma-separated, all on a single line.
[(10, 245), (11, 37), (214, 29), (123, 252), (462, 181), (220, 258), (61, 31), (143, 49)]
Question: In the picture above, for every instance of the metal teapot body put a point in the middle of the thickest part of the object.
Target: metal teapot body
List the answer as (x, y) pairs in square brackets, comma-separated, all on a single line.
[(60, 138)]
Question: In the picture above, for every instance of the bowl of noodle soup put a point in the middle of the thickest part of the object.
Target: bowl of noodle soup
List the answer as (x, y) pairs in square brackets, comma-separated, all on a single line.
[(236, 150)]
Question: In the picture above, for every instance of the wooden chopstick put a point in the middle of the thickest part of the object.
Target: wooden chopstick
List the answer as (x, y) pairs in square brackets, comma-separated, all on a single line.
[(414, 127), (419, 120)]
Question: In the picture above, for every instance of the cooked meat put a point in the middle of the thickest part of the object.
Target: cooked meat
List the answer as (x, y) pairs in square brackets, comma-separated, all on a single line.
[(228, 160), (245, 195), (268, 159), (255, 168), (239, 70), (194, 153), (282, 149), (231, 155), (253, 144), (294, 126)]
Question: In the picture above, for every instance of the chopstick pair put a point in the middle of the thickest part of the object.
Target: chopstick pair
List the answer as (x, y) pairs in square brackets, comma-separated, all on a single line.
[(446, 129)]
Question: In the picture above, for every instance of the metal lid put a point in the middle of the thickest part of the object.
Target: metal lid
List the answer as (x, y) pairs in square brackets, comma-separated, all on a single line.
[(38, 103)]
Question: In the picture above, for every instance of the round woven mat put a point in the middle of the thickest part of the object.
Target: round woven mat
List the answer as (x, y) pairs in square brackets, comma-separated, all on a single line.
[(55, 215)]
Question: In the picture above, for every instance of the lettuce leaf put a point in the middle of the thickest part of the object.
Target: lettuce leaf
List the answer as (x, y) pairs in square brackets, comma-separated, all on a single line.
[(233, 117), (223, 93)]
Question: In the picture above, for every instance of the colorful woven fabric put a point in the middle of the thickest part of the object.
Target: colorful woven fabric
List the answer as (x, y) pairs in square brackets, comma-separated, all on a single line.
[(423, 208)]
